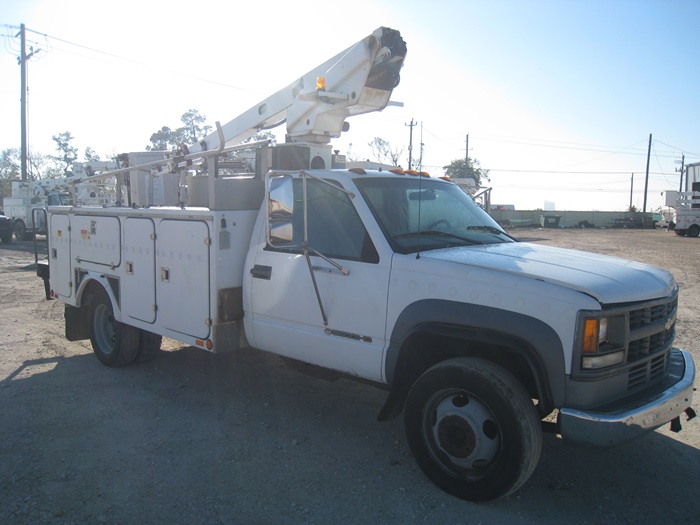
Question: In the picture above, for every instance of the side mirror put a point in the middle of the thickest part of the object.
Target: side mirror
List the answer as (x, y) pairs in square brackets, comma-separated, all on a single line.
[(280, 211)]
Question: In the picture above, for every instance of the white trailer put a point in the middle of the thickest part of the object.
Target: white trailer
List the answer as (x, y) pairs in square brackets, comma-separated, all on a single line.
[(391, 277)]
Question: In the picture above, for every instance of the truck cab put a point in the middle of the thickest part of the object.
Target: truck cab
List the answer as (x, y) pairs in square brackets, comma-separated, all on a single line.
[(56, 198), (402, 279)]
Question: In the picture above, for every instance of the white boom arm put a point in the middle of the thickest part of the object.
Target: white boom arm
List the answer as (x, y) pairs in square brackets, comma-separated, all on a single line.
[(357, 80)]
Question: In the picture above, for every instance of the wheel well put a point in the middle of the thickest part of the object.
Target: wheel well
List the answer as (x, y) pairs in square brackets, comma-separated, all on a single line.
[(87, 285), (430, 345), (91, 287)]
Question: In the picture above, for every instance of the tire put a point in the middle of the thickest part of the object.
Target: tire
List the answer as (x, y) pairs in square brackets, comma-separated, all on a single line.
[(149, 345), (473, 429), (694, 230), (20, 230), (114, 343), (6, 237)]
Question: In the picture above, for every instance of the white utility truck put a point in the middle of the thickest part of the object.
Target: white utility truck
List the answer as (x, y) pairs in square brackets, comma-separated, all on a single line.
[(387, 276), (29, 197), (686, 204)]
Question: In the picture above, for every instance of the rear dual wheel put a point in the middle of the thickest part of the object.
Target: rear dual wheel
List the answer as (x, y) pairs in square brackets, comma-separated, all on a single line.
[(116, 343), (473, 429)]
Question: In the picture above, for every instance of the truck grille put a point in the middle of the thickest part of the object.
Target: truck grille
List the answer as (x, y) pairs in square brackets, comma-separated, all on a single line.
[(653, 314), (649, 371), (652, 329)]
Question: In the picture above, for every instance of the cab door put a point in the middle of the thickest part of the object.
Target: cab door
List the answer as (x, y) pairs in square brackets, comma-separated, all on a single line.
[(339, 322)]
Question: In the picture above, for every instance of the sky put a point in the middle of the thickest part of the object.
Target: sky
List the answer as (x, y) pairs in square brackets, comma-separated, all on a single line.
[(558, 99)]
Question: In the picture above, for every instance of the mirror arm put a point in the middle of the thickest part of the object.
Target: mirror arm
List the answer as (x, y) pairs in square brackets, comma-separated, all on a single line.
[(313, 279), (342, 269)]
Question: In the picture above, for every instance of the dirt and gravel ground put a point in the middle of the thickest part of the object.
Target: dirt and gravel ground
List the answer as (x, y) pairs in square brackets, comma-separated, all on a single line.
[(197, 438)]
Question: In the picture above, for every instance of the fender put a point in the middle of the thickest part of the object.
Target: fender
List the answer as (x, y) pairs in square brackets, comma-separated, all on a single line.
[(484, 327), (89, 278), (77, 318)]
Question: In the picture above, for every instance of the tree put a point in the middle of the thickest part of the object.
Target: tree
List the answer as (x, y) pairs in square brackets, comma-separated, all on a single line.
[(10, 165), (192, 130), (67, 154), (383, 152), (161, 140), (9, 169), (42, 166), (91, 156), (460, 169)]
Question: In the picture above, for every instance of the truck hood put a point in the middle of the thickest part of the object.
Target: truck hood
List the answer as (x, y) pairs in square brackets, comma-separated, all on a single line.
[(608, 279)]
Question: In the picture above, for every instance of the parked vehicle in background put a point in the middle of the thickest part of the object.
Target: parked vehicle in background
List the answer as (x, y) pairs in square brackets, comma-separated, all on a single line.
[(28, 196), (686, 204), (7, 228)]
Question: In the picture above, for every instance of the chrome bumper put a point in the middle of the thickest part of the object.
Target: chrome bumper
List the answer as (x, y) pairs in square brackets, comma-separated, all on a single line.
[(629, 421)]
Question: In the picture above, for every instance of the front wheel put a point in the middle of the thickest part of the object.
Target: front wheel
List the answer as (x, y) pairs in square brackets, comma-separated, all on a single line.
[(114, 343), (473, 429), (20, 230), (6, 237), (694, 230)]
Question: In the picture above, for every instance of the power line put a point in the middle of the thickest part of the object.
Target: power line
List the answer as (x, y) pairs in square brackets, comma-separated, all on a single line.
[(570, 145), (133, 61)]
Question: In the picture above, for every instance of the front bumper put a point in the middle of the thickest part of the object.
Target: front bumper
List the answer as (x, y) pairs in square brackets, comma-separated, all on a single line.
[(622, 423)]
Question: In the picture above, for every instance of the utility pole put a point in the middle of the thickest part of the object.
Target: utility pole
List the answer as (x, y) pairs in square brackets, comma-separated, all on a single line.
[(22, 59), (646, 181), (466, 158), (631, 192), (680, 187), (410, 145), (420, 162)]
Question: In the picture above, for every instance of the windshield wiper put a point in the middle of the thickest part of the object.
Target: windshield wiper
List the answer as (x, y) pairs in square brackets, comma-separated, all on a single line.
[(433, 233), (486, 228)]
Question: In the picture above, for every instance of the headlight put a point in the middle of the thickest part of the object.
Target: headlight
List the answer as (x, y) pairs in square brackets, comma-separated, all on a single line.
[(601, 361), (603, 343)]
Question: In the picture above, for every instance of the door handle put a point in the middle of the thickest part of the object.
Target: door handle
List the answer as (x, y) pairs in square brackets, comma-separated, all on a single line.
[(261, 272)]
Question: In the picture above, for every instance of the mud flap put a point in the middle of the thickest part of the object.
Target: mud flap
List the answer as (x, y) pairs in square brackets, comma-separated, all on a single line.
[(77, 323), (42, 270)]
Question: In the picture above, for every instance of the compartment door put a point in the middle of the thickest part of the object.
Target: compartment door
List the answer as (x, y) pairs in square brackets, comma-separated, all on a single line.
[(59, 255), (139, 285), (182, 276)]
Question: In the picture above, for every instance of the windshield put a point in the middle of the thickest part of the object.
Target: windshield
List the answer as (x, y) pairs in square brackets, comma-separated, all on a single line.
[(425, 214)]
